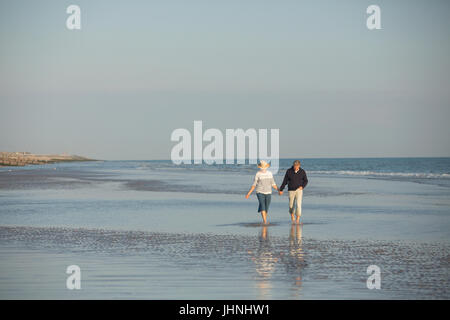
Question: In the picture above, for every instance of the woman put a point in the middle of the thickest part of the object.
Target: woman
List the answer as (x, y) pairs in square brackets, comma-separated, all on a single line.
[(263, 183)]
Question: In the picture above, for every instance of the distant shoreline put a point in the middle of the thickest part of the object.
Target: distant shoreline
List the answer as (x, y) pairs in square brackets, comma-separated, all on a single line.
[(19, 159)]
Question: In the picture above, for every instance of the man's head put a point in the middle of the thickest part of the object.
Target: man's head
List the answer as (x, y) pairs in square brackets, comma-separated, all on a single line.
[(296, 164)]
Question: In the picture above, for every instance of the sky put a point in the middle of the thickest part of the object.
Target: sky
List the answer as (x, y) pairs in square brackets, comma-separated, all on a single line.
[(138, 70)]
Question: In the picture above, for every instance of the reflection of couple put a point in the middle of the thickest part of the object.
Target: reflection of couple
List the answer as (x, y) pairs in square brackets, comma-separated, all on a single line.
[(266, 258), (296, 180)]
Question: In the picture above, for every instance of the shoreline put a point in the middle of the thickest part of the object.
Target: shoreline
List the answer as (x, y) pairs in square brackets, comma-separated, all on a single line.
[(20, 159)]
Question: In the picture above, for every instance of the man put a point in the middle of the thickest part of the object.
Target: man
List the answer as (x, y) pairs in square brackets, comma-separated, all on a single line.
[(296, 180)]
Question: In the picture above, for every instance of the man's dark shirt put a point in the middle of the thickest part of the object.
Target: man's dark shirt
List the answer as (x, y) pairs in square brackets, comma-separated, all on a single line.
[(294, 180)]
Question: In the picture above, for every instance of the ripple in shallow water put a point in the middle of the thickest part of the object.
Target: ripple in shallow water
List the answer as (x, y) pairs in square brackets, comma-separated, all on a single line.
[(409, 270)]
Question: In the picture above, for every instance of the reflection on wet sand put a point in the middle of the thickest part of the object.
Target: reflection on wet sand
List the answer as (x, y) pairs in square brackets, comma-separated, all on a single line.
[(266, 257), (294, 261), (126, 263)]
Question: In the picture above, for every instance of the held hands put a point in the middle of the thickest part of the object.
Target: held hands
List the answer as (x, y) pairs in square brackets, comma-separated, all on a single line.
[(281, 192)]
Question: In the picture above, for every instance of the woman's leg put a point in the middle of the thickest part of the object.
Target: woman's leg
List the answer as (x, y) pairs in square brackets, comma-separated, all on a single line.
[(264, 216), (268, 199), (262, 206)]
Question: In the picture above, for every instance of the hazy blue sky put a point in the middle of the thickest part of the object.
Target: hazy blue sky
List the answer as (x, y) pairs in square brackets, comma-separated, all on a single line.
[(140, 69)]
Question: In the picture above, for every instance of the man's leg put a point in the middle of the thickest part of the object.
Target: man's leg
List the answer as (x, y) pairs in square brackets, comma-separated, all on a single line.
[(299, 196), (291, 204)]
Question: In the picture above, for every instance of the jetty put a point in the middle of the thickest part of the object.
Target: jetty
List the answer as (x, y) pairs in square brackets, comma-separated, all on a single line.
[(27, 158)]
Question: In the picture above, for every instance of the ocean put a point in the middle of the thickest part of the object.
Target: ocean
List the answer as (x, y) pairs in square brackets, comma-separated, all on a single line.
[(155, 230)]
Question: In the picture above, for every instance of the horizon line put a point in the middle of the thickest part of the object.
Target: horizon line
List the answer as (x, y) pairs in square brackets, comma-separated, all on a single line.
[(300, 158)]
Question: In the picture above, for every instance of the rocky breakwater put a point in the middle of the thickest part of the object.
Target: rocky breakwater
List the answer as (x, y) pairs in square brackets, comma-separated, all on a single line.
[(27, 158)]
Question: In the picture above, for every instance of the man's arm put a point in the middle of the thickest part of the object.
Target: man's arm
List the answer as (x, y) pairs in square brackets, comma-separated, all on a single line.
[(285, 181), (305, 179)]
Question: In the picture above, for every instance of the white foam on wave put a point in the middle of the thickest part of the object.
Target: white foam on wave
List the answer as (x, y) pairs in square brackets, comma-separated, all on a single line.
[(385, 174)]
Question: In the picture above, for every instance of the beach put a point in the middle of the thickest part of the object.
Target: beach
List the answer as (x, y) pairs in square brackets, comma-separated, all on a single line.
[(154, 230)]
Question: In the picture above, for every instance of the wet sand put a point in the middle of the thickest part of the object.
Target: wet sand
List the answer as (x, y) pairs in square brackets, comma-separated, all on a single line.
[(48, 177), (51, 177), (118, 264)]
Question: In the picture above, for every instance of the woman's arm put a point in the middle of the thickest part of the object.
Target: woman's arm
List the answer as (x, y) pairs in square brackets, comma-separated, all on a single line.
[(255, 181), (249, 192), (274, 185)]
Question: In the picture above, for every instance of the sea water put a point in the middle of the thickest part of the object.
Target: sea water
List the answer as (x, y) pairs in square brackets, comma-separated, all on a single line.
[(152, 229)]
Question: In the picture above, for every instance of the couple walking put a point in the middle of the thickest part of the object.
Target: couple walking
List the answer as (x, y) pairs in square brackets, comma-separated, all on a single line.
[(296, 180)]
